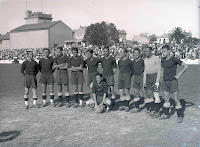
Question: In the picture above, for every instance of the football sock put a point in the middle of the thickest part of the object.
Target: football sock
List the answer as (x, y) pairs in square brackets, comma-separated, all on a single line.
[(51, 97), (34, 101), (76, 97), (60, 97), (166, 106), (179, 110), (67, 97), (157, 107), (26, 99), (136, 102)]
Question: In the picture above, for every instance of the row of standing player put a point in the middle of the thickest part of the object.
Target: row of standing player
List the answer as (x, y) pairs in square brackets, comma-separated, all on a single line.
[(148, 74)]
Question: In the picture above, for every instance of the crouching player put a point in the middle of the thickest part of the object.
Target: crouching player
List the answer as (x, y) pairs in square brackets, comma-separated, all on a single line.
[(29, 69), (138, 70), (61, 64), (99, 91), (124, 82), (170, 82), (151, 81)]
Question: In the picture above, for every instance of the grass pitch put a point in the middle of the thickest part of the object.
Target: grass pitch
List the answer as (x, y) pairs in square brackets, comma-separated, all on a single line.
[(49, 127)]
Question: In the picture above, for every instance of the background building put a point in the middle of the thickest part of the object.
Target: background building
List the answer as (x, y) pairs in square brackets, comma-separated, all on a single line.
[(39, 31), (4, 41), (163, 39)]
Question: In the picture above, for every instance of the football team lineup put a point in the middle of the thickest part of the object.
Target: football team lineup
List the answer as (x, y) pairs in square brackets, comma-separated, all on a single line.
[(151, 75)]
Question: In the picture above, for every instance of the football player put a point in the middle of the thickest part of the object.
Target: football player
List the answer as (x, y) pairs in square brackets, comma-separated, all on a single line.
[(62, 79), (29, 69), (170, 82), (46, 78), (109, 66), (124, 82), (76, 64), (151, 81)]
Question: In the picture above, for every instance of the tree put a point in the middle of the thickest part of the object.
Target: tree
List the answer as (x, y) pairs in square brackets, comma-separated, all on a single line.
[(177, 35), (152, 38), (101, 34)]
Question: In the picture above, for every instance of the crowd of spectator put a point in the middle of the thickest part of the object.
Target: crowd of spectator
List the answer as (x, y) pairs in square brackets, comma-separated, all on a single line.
[(180, 51)]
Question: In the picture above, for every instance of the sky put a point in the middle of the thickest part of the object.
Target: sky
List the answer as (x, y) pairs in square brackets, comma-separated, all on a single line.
[(133, 16)]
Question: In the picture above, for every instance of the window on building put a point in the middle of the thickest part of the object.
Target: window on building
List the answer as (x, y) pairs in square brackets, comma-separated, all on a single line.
[(55, 45)]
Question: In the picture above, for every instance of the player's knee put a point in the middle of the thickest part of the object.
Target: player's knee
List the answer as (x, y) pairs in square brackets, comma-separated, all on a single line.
[(108, 102)]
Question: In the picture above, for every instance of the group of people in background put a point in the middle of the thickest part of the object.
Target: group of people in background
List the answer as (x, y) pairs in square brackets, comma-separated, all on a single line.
[(150, 75), (179, 51)]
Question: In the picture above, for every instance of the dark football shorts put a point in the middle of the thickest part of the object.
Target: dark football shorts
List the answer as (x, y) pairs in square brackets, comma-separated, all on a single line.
[(109, 80), (62, 77), (150, 81), (138, 81), (124, 81), (170, 86), (30, 80), (91, 78), (47, 78), (77, 78), (100, 99)]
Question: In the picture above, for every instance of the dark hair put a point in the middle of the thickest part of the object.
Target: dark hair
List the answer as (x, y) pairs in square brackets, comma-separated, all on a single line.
[(29, 52), (150, 48), (60, 48), (166, 46), (125, 50), (136, 49), (99, 74), (46, 49), (75, 49), (90, 51)]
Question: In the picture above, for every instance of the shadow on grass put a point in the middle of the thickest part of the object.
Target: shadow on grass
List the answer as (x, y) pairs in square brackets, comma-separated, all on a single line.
[(8, 136)]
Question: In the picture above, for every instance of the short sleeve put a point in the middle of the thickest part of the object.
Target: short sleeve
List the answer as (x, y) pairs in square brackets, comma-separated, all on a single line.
[(177, 61)]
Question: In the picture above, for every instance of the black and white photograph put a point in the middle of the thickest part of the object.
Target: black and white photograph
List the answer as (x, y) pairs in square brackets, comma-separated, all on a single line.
[(99, 73)]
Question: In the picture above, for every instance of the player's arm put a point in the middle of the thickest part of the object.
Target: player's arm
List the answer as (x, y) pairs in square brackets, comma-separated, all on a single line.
[(158, 64), (23, 68), (144, 76), (78, 68), (185, 67), (131, 68), (114, 66), (65, 66)]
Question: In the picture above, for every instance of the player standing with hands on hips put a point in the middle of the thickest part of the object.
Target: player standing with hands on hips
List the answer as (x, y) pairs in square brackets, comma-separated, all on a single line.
[(170, 82)]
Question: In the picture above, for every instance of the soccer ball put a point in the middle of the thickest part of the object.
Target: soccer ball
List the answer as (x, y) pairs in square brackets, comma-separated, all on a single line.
[(98, 109)]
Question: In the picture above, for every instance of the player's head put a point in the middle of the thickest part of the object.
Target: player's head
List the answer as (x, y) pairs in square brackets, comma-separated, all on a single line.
[(46, 52), (136, 53), (75, 51), (99, 78), (106, 51), (59, 51), (147, 51), (30, 55), (123, 52), (89, 53), (165, 50)]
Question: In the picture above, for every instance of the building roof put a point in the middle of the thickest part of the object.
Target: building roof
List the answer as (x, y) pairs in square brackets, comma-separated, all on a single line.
[(5, 37), (38, 26), (140, 39), (122, 31), (164, 36)]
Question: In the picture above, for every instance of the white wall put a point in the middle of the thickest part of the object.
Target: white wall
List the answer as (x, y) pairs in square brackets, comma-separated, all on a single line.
[(29, 39), (59, 33), (5, 44)]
